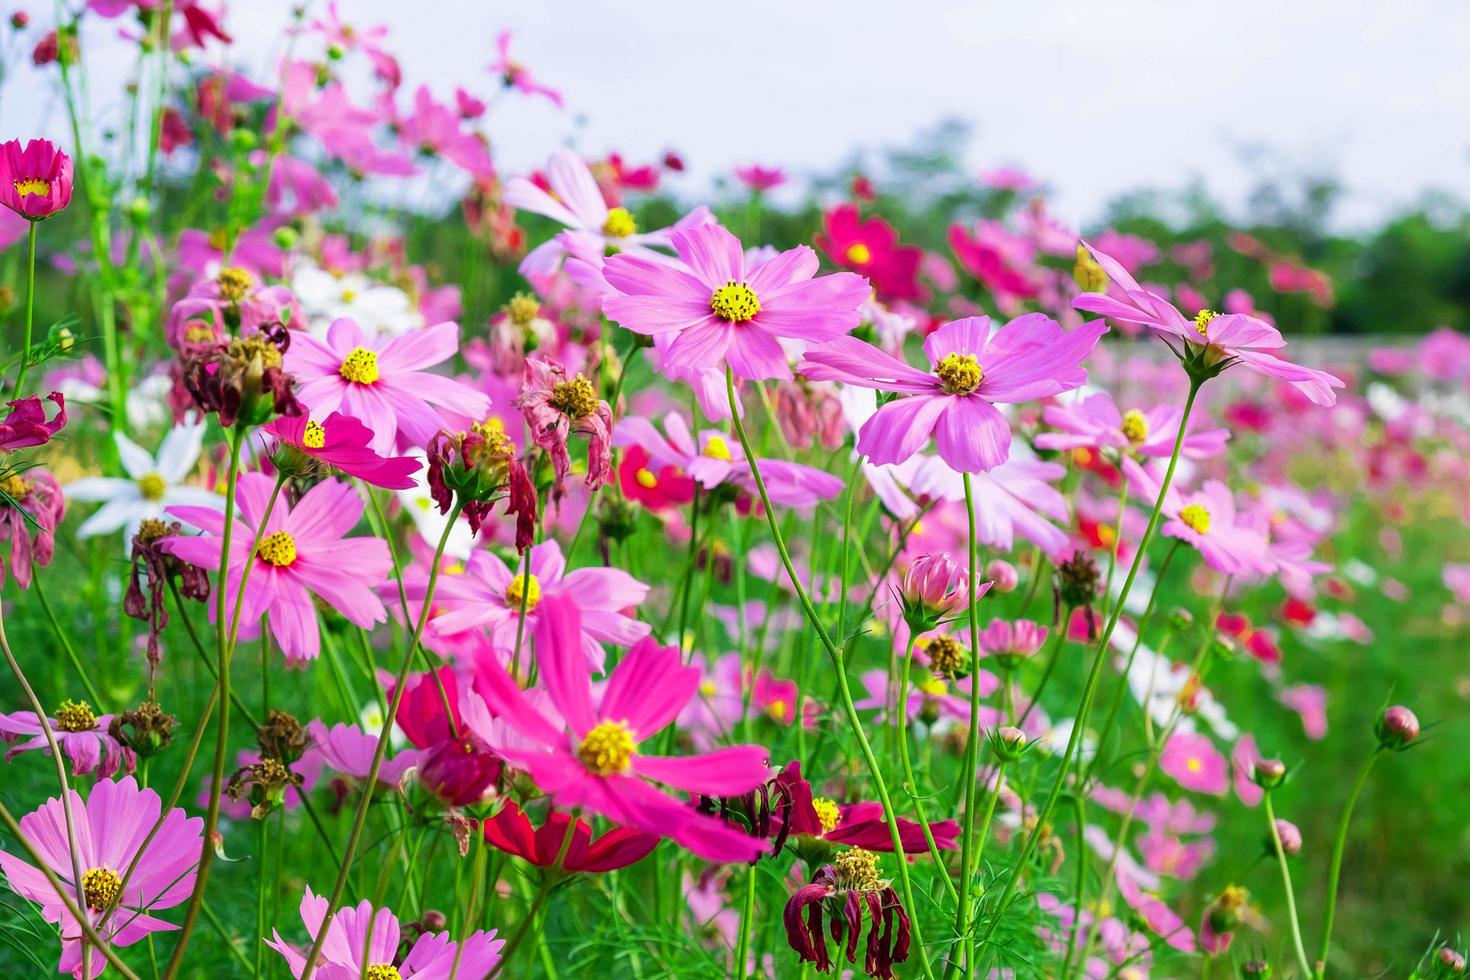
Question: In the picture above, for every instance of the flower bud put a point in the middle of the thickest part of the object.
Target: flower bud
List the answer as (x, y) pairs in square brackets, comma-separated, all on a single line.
[(1009, 743), (1226, 912), (1268, 773), (1291, 838), (1397, 728), (1450, 962), (434, 921), (1255, 970), (1002, 575), (460, 771), (285, 238), (933, 587), (1180, 619), (19, 20)]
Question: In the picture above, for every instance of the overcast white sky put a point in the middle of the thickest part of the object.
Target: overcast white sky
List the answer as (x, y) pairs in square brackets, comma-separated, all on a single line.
[(1093, 97)]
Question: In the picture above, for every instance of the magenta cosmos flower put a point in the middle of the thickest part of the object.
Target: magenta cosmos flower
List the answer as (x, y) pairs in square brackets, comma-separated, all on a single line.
[(1095, 423), (1229, 338), (364, 942), (349, 750), (487, 595), (26, 424), (1207, 520), (35, 182), (721, 312), (972, 367), (303, 551), (517, 75), (344, 443), (383, 382), (593, 758), (110, 826), (81, 735), (1195, 764)]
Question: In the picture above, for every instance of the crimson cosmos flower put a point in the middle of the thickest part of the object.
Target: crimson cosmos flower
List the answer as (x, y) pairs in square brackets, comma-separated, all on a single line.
[(511, 831), (35, 182)]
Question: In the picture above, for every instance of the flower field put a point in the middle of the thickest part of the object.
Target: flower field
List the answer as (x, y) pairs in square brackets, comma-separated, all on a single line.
[(411, 567)]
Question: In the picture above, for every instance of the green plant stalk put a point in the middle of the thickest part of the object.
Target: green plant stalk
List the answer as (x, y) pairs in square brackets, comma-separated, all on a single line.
[(25, 351), (1095, 672), (840, 668), (911, 785), (381, 750), (747, 918), (61, 637), (968, 849), (1334, 870), (1296, 926)]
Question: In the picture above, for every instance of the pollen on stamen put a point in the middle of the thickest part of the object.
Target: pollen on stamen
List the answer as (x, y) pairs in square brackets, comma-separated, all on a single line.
[(1202, 321), (1196, 518), (523, 589), (619, 223), (717, 448), (608, 748), (960, 374), (735, 302), (1135, 426), (828, 813), (277, 549), (315, 436), (360, 367)]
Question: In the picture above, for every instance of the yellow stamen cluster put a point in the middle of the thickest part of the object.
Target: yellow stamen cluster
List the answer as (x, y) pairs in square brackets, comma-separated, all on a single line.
[(75, 716), (575, 398), (234, 283), (1202, 320), (198, 332), (361, 366), (934, 687), (859, 254), (1135, 426), (523, 309), (734, 302), (277, 549), (778, 710), (857, 870), (646, 479), (959, 373), (523, 589), (32, 186), (151, 529), (619, 223), (608, 748), (1196, 518), (15, 487), (383, 971), (827, 813), (152, 486), (315, 436), (717, 448), (946, 656), (100, 886), (252, 351), (1088, 272)]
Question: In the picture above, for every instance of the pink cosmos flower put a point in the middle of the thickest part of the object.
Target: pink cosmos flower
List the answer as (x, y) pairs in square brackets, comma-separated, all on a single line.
[(1208, 521), (1019, 639), (364, 942), (35, 182), (81, 735), (712, 461), (518, 76), (1016, 498), (1095, 423), (383, 381), (759, 178), (26, 424), (435, 129), (931, 698), (1195, 764), (593, 758), (721, 311), (29, 502), (1310, 702), (1231, 337), (1243, 758), (225, 304), (556, 406), (303, 551), (110, 828), (346, 444), (972, 367), (489, 596), (349, 750)]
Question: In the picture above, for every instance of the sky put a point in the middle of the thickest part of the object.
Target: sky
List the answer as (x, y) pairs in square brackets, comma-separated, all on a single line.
[(1094, 98)]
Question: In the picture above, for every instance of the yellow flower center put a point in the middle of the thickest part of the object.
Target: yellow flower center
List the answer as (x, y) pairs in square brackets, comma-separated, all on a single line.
[(1135, 426), (383, 971), (734, 302), (575, 398), (717, 448), (315, 436), (361, 366), (234, 283), (946, 655), (1202, 320), (522, 309), (14, 487), (348, 295), (859, 254), (934, 687), (277, 549), (645, 479), (1193, 764), (1196, 518), (707, 689), (608, 748), (857, 870), (959, 373), (778, 709), (100, 886), (827, 813), (525, 589), (1088, 272), (32, 186), (75, 716), (152, 486), (619, 223)]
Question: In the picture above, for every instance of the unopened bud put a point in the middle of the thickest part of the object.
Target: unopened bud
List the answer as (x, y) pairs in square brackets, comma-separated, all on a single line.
[(1009, 743), (434, 921), (1450, 962), (1002, 575), (1397, 728), (1290, 836), (1269, 773), (1255, 970)]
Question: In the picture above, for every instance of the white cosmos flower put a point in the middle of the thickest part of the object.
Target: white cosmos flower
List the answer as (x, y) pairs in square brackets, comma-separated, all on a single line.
[(377, 307), (151, 486)]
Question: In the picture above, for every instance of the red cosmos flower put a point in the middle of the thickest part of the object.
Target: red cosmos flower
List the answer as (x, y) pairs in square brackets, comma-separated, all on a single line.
[(26, 424), (856, 824), (511, 831), (870, 246), (983, 257), (850, 892), (35, 182), (1298, 613), (655, 489), (346, 444)]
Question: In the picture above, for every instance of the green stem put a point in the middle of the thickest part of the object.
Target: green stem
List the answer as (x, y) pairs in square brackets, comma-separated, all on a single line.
[(25, 351), (1296, 927), (747, 917), (911, 785), (61, 637), (968, 846), (843, 690), (1334, 872)]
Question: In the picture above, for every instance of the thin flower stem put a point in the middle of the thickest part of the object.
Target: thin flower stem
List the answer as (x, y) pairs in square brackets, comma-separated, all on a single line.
[(747, 918), (61, 637), (1296, 926), (1080, 887), (968, 772), (844, 691), (25, 351), (1095, 672), (548, 881), (381, 750), (1059, 636), (910, 784), (1334, 871)]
